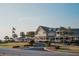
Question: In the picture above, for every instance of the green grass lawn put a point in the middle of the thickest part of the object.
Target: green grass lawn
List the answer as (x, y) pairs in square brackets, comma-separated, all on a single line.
[(72, 49), (68, 48), (10, 45)]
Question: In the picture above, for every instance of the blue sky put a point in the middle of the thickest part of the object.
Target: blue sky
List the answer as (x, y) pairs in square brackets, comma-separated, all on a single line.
[(27, 17)]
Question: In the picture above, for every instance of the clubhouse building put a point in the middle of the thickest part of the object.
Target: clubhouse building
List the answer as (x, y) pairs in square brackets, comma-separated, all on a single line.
[(56, 34)]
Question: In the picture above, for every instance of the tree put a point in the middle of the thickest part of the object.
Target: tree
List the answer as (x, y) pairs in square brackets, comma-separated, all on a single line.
[(14, 35), (12, 40), (32, 42), (6, 38), (22, 34), (0, 41), (13, 30), (30, 34)]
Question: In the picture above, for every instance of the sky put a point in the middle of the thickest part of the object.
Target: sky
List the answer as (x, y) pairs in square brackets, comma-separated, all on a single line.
[(27, 17)]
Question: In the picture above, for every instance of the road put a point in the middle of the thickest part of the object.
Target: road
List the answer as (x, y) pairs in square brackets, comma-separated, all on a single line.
[(32, 52)]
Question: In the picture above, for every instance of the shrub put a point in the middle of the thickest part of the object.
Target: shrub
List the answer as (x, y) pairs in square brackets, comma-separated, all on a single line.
[(57, 47), (32, 42), (48, 43), (25, 45), (16, 46), (0, 41), (75, 42)]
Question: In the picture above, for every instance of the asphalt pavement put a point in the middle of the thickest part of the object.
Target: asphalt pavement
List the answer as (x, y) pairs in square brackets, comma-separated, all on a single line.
[(37, 50), (32, 51)]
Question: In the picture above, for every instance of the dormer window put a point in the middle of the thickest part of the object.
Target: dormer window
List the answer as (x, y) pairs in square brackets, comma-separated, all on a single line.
[(50, 29)]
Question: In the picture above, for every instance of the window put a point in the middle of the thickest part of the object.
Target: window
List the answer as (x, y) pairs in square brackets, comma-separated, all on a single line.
[(50, 29), (57, 32), (65, 32)]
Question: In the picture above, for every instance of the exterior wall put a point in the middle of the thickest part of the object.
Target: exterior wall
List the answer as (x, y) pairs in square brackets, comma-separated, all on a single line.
[(43, 36), (62, 33), (55, 36), (58, 35), (51, 34), (41, 33)]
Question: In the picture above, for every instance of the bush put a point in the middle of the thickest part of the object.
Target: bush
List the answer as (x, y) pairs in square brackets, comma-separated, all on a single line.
[(5, 41), (75, 42), (0, 41), (48, 43), (32, 42), (16, 46), (57, 47), (25, 45)]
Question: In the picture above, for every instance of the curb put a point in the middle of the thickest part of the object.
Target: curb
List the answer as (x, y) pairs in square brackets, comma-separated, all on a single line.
[(49, 50)]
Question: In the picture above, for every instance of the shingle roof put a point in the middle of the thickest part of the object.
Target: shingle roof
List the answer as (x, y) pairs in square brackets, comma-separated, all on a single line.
[(48, 29), (61, 29)]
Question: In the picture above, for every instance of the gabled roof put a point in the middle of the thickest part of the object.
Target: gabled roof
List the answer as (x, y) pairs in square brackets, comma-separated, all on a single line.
[(61, 29), (47, 29)]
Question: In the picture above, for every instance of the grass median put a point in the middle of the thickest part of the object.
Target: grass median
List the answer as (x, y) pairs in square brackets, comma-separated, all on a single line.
[(11, 45), (72, 49), (67, 48)]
